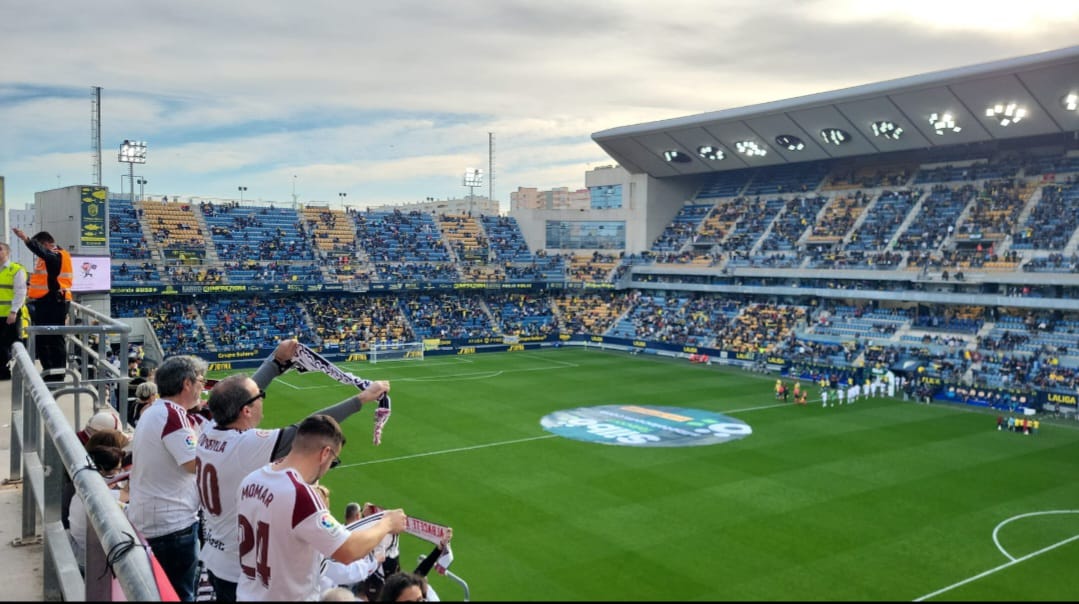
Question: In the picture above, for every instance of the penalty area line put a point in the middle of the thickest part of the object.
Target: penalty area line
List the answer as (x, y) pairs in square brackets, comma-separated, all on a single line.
[(446, 451), (993, 570), (758, 408)]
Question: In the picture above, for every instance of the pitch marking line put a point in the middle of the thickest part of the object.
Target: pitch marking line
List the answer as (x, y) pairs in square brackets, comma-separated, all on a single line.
[(757, 408), (482, 375), (356, 366), (293, 386), (359, 368), (1020, 516), (1011, 560), (547, 359), (445, 451)]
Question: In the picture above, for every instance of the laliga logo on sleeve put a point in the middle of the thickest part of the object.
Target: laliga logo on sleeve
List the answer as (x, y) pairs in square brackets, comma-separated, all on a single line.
[(328, 522), (189, 440)]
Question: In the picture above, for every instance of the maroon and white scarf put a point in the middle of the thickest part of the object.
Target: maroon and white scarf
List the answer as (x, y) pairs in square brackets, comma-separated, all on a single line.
[(309, 360), (428, 531)]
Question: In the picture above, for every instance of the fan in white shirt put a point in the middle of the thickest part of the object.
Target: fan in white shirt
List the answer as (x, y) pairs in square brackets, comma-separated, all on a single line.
[(335, 574), (164, 499), (232, 446), (285, 527)]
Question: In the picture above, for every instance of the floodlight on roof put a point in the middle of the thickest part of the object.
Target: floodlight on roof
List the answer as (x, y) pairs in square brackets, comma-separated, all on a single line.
[(711, 153), (1070, 101), (676, 156), (133, 152), (750, 149), (1006, 114), (790, 142), (887, 129), (942, 122), (835, 136), (473, 177)]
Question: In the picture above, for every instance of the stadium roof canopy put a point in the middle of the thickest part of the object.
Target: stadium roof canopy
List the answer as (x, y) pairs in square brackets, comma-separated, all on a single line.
[(1012, 98)]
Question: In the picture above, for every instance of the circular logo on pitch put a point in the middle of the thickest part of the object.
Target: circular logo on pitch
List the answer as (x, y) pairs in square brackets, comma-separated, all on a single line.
[(645, 426)]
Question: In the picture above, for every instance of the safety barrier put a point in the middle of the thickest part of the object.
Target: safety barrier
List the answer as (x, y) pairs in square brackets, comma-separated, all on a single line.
[(45, 449)]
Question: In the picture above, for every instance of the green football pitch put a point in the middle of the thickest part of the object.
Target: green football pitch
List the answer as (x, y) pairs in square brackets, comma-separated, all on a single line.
[(880, 500)]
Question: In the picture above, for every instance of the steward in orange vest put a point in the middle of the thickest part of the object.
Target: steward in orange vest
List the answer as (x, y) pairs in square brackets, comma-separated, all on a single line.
[(49, 293)]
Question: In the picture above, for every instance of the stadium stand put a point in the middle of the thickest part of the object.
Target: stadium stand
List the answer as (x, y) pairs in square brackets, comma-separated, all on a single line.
[(977, 213), (590, 312), (353, 323), (443, 315), (795, 219), (521, 314), (679, 231)]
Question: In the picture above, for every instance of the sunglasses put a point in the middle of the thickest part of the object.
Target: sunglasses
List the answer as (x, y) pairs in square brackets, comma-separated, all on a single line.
[(336, 461), (260, 395)]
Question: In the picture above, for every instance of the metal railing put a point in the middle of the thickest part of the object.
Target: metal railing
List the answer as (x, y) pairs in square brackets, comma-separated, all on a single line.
[(456, 579), (44, 447)]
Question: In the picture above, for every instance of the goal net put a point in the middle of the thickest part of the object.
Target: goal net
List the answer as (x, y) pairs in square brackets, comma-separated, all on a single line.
[(398, 351)]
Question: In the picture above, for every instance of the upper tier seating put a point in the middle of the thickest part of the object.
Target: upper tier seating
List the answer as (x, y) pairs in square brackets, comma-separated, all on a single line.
[(256, 233)]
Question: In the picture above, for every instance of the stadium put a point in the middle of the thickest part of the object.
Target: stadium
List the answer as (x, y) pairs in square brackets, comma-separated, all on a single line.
[(920, 234)]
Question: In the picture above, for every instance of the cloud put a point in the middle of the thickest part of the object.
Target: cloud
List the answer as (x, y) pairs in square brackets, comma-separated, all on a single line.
[(394, 100)]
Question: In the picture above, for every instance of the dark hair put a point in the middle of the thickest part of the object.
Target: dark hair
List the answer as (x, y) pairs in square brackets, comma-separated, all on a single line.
[(43, 237), (106, 438), (228, 397), (318, 431), (399, 582), (106, 459), (172, 374)]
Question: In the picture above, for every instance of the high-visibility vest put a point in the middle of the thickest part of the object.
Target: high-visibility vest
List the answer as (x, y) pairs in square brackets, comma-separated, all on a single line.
[(7, 287), (39, 280), (7, 294)]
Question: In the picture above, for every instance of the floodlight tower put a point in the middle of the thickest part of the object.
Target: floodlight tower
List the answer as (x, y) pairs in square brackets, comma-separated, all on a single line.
[(473, 178), (131, 153)]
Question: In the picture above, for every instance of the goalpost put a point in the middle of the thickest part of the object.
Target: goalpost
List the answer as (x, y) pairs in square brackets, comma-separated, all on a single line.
[(395, 351)]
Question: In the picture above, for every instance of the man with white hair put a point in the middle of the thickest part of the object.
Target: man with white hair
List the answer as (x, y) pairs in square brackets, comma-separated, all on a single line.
[(145, 395)]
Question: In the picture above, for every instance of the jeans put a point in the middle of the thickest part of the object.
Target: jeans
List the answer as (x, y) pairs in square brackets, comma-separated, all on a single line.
[(224, 591), (178, 555)]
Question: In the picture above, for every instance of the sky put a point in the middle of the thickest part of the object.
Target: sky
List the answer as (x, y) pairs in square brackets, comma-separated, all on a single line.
[(390, 102)]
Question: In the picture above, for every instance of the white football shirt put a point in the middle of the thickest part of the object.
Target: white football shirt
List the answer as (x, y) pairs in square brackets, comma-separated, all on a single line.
[(283, 529), (164, 498), (225, 458)]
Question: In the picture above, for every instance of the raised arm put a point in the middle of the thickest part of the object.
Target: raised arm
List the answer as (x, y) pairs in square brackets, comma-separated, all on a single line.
[(340, 412), (277, 363)]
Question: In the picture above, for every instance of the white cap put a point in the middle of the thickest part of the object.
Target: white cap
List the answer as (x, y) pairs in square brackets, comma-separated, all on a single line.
[(103, 420)]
